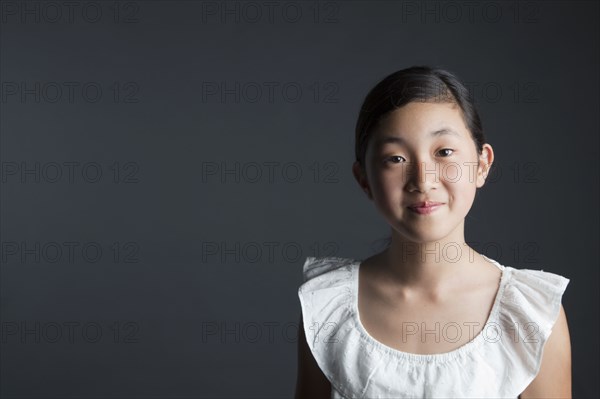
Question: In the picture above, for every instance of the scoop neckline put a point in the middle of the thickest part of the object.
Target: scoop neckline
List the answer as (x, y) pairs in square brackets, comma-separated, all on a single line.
[(435, 357)]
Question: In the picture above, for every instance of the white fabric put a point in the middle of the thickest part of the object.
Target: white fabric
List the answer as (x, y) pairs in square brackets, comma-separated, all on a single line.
[(497, 363)]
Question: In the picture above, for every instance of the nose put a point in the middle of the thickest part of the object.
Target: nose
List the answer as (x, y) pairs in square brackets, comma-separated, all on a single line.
[(422, 176)]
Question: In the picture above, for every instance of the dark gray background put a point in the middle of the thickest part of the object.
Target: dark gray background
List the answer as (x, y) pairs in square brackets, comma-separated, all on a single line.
[(532, 66)]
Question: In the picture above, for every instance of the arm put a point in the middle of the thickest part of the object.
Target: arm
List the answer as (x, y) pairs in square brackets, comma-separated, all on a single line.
[(554, 378), (311, 383)]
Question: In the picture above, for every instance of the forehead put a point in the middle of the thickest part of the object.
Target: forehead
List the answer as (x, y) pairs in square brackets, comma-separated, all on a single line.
[(428, 120)]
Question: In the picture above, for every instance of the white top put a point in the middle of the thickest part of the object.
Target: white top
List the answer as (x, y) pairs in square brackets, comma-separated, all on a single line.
[(500, 362)]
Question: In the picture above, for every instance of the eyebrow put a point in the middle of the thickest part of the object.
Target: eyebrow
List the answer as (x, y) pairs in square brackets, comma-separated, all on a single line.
[(435, 133)]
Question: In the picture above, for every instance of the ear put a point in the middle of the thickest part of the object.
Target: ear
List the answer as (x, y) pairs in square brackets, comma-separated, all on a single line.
[(361, 178), (485, 163)]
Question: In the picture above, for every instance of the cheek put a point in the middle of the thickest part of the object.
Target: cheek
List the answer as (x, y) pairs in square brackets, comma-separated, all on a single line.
[(461, 182), (391, 184), (461, 172), (384, 189), (382, 182), (387, 192), (453, 174)]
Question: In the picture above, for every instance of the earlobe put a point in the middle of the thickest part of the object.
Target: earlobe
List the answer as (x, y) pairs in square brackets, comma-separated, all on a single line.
[(483, 175)]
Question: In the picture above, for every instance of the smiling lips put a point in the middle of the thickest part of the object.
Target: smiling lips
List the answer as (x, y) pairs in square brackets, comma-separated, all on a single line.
[(425, 207)]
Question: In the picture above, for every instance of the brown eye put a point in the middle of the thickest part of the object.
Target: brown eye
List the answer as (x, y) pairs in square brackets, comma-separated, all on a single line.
[(447, 149), (393, 158)]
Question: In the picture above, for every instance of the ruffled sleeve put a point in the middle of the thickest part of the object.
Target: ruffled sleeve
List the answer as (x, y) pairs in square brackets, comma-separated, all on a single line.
[(325, 298), (529, 309), (316, 266)]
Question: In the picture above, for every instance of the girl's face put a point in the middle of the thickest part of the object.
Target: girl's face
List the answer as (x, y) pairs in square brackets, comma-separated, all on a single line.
[(424, 152)]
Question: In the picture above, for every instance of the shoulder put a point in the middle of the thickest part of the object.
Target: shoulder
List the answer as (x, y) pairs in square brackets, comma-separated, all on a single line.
[(536, 337), (327, 288), (535, 295), (540, 277), (554, 376), (326, 299), (316, 266)]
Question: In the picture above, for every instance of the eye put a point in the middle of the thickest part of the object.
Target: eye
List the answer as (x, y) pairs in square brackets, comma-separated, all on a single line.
[(447, 149), (393, 158)]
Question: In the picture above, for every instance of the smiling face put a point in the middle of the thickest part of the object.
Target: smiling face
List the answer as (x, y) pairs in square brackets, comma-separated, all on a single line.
[(423, 151)]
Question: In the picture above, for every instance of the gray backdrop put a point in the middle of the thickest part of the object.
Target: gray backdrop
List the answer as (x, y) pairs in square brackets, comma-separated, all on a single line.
[(168, 166)]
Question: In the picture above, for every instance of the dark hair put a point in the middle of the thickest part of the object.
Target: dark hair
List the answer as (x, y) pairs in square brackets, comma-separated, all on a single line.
[(417, 83)]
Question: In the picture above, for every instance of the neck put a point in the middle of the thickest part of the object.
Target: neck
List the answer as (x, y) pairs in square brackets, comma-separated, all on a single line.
[(427, 266)]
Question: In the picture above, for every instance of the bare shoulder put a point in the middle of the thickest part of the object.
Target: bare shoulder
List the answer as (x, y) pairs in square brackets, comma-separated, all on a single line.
[(554, 378), (311, 383)]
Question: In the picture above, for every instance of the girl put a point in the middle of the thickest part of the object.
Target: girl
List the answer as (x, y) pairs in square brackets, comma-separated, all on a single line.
[(428, 316)]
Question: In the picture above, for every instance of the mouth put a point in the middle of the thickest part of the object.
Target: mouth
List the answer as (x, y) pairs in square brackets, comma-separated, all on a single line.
[(425, 208)]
